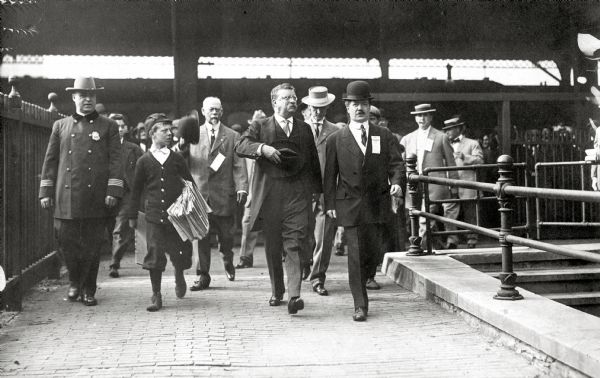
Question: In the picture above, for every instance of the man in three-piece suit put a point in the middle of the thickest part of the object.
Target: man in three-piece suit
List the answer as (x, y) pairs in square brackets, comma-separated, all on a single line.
[(83, 179), (286, 175), (321, 227), (123, 236), (433, 149), (221, 176), (466, 152), (363, 168)]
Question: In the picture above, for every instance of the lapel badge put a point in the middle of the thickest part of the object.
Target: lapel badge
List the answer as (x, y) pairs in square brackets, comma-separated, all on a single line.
[(95, 136)]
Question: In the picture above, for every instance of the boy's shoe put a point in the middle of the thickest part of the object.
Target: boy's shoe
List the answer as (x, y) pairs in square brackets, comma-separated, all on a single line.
[(114, 272), (156, 303)]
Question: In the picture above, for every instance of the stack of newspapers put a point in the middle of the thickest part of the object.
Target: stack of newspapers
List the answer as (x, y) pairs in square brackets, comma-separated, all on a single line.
[(189, 213)]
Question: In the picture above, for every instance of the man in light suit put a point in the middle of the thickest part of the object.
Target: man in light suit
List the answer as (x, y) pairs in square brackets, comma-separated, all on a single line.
[(433, 149), (321, 228), (466, 152), (286, 175), (222, 179), (363, 168)]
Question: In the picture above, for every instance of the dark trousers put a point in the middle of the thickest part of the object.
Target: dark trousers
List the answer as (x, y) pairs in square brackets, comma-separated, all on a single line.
[(123, 238), (163, 239), (80, 242), (284, 214), (364, 248), (223, 225)]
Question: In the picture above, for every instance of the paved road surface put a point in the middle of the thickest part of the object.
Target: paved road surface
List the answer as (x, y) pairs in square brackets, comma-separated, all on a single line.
[(230, 331)]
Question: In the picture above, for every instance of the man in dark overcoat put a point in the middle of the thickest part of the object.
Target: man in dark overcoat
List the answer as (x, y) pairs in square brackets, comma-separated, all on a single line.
[(82, 178), (286, 175), (363, 168)]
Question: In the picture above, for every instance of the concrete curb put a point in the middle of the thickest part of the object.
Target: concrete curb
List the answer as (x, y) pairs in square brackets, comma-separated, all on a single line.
[(570, 336)]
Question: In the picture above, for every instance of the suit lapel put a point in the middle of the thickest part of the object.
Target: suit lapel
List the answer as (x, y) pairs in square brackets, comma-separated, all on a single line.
[(350, 143), (326, 129), (219, 139)]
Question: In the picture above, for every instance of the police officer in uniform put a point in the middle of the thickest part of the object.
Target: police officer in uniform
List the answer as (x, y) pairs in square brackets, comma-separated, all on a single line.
[(82, 178)]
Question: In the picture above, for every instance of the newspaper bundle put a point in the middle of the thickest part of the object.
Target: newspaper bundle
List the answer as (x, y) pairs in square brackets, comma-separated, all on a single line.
[(189, 213)]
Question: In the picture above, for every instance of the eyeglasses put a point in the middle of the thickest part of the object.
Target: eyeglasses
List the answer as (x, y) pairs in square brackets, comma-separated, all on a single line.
[(288, 98)]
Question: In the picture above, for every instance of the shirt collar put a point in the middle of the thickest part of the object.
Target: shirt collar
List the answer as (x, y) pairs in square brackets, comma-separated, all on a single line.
[(210, 126), (89, 117), (280, 119), (457, 139), (165, 150), (357, 125)]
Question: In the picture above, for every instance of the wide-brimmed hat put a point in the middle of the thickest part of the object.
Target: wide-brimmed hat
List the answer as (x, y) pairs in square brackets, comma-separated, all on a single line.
[(589, 45), (453, 122), (85, 84), (358, 91), (423, 108), (292, 161), (318, 96), (189, 129)]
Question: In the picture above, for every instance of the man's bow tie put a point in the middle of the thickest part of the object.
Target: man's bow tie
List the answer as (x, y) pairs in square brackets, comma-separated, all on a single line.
[(90, 117)]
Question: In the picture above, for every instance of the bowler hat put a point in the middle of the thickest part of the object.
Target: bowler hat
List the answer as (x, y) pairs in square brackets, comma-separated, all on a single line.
[(453, 122), (292, 161), (318, 96), (86, 84), (358, 91), (423, 108), (189, 129)]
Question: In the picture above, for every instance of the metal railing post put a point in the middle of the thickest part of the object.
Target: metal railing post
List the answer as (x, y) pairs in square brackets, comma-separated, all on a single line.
[(414, 248), (507, 277)]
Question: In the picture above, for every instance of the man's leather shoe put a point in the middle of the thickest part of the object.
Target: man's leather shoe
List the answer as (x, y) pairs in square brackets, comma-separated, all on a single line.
[(320, 289), (156, 303), (202, 283), (274, 301), (451, 246), (243, 264), (114, 272), (360, 315), (372, 284), (305, 272), (73, 293), (295, 304), (230, 271), (89, 300)]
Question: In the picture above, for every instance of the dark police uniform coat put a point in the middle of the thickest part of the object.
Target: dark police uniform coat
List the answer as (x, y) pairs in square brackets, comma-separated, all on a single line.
[(82, 166)]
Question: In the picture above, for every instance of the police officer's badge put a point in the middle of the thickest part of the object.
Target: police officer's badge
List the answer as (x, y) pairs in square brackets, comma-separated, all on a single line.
[(95, 136)]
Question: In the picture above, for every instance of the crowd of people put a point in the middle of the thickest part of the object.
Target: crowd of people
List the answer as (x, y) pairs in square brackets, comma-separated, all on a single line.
[(311, 186)]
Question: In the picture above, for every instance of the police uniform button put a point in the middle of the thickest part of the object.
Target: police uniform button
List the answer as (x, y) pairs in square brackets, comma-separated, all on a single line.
[(91, 121), (162, 220), (89, 151), (89, 185), (162, 189), (70, 152), (162, 179), (162, 201), (89, 168), (72, 135), (67, 186), (68, 169)]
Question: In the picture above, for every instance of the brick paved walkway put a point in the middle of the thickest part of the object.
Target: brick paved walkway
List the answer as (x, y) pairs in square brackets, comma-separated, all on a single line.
[(229, 330)]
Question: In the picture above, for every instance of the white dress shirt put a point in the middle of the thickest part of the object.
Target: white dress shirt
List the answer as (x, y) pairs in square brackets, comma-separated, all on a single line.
[(209, 127), (161, 154), (281, 121), (357, 134)]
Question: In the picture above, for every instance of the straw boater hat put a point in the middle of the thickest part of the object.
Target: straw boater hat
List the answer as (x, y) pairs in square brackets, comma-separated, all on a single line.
[(86, 84), (318, 96), (423, 108), (453, 122)]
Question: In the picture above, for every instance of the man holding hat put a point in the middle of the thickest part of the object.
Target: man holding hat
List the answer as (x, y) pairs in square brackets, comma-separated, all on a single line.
[(221, 176), (82, 178), (321, 228), (286, 175), (363, 169), (433, 149), (466, 152)]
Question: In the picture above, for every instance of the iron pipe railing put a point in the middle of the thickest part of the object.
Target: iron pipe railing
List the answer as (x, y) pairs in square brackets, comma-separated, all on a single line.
[(506, 193)]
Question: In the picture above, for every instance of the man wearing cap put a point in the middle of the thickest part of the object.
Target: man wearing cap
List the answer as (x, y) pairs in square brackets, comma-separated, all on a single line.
[(286, 175), (82, 178), (122, 235), (433, 149), (321, 227), (466, 152), (222, 179), (363, 168)]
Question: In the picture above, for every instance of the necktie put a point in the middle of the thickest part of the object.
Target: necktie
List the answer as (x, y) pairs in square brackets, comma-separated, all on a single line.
[(212, 136), (286, 128), (317, 131), (363, 135)]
